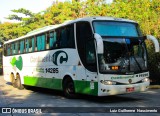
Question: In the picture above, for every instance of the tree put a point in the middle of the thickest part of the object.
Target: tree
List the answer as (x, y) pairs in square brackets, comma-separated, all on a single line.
[(21, 11), (145, 12)]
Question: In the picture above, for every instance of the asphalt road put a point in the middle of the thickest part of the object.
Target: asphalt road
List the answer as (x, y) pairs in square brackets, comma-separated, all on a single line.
[(37, 97)]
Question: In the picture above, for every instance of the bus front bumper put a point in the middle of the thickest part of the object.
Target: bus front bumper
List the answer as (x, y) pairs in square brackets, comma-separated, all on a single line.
[(105, 90)]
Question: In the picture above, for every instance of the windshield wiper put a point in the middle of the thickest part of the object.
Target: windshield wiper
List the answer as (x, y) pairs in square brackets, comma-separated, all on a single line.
[(127, 56), (132, 54), (139, 66)]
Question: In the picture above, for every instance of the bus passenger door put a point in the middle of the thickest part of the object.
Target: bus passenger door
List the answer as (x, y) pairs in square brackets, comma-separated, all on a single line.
[(91, 67), (86, 51)]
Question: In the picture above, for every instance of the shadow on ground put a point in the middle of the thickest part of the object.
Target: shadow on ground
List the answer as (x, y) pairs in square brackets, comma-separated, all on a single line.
[(89, 98)]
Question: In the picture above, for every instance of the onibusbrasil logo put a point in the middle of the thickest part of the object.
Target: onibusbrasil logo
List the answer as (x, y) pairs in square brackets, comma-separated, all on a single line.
[(17, 62), (60, 57)]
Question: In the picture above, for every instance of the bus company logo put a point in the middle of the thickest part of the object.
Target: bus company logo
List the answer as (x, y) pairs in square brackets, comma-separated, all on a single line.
[(60, 57), (123, 77), (17, 62)]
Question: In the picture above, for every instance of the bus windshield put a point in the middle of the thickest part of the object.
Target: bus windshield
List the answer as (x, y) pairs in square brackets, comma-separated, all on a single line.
[(123, 55), (124, 49), (105, 28)]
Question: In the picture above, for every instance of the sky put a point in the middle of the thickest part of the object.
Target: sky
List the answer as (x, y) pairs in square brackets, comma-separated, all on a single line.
[(34, 6)]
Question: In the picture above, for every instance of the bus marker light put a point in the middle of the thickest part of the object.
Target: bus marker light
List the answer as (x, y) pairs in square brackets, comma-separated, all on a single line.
[(114, 67)]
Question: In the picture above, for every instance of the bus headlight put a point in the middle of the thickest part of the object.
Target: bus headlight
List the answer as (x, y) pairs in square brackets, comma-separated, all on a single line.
[(145, 79), (106, 82)]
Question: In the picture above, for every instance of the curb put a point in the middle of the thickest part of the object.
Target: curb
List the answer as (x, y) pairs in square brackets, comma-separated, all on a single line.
[(154, 87)]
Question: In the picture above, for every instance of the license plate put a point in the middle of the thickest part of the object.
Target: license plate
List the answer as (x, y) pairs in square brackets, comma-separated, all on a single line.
[(131, 89)]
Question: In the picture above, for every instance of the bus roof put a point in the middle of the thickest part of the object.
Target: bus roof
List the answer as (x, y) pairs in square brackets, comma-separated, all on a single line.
[(51, 27)]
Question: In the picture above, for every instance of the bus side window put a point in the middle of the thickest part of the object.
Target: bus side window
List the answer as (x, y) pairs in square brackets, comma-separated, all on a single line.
[(33, 44), (70, 34), (38, 43), (30, 44), (17, 47), (27, 45), (13, 48), (19, 44), (52, 40), (67, 37), (35, 49), (58, 38), (63, 37), (8, 49), (22, 46), (41, 42), (5, 50), (47, 40)]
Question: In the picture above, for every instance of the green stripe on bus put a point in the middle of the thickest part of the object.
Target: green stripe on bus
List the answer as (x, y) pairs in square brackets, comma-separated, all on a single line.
[(50, 83), (82, 87)]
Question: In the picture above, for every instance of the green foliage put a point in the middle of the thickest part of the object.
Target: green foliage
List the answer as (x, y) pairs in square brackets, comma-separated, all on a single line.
[(24, 11), (14, 17), (20, 11), (7, 31), (145, 12)]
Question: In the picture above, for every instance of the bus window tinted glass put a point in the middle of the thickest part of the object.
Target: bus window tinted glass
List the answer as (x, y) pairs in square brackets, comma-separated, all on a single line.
[(22, 46), (8, 49), (105, 28), (41, 42), (33, 44), (17, 47), (13, 48), (70, 35), (66, 36), (27, 45), (5, 50), (52, 40)]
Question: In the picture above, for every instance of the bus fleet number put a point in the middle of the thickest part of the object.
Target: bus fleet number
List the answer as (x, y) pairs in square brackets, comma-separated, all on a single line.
[(52, 70)]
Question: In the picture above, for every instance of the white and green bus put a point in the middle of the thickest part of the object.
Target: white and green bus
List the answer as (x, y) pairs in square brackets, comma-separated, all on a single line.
[(97, 56)]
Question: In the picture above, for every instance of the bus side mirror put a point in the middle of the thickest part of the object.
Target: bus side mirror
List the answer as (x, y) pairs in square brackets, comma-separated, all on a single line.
[(155, 42), (99, 41)]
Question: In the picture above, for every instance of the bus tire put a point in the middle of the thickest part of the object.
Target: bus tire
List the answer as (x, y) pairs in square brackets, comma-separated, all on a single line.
[(13, 80), (68, 88), (18, 81)]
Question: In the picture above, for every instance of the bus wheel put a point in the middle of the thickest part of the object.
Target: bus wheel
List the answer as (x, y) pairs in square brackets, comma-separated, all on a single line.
[(68, 88), (13, 81), (18, 81)]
